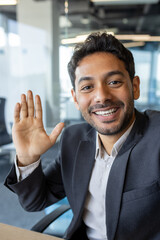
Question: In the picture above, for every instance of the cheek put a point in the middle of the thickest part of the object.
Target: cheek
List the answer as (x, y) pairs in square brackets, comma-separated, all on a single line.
[(127, 94), (83, 102)]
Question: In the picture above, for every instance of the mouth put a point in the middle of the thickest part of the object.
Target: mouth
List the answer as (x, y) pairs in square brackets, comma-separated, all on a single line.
[(106, 113)]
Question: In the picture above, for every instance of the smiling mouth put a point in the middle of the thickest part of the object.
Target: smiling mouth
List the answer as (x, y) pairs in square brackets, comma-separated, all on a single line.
[(106, 113)]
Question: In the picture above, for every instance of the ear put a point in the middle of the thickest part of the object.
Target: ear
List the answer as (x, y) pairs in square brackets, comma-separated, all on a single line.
[(74, 98), (136, 87)]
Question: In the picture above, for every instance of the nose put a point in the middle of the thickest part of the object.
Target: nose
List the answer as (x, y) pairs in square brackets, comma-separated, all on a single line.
[(102, 94)]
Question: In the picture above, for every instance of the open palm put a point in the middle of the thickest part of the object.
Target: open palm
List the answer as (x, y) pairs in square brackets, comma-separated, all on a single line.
[(29, 135)]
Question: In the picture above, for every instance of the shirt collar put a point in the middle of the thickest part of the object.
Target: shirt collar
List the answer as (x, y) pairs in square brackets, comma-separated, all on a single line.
[(116, 147)]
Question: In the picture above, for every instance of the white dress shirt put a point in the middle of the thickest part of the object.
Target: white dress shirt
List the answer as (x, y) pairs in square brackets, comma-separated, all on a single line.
[(23, 172), (94, 215), (94, 211)]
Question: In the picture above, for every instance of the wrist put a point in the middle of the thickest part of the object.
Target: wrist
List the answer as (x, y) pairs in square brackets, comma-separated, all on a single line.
[(25, 161)]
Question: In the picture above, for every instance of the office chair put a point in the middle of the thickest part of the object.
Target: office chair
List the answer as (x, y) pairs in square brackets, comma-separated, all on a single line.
[(56, 221), (5, 138)]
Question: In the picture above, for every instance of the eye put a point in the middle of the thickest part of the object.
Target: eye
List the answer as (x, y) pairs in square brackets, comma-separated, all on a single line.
[(86, 88), (115, 83)]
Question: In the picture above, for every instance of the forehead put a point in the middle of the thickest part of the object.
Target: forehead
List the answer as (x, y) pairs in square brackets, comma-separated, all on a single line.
[(98, 62)]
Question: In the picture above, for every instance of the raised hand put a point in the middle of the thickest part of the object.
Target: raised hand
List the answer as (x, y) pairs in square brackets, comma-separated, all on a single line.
[(29, 135)]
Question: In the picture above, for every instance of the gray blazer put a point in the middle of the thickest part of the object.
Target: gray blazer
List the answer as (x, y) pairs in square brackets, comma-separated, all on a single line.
[(133, 191)]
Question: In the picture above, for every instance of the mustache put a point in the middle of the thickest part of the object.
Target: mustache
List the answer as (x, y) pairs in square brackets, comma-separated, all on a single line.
[(105, 105)]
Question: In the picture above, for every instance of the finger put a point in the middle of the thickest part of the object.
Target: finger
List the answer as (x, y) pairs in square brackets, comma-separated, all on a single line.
[(30, 104), (38, 107), (56, 132), (17, 113), (24, 110)]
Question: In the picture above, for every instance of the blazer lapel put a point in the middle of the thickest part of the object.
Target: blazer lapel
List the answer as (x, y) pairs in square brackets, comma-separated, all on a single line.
[(82, 171), (114, 193)]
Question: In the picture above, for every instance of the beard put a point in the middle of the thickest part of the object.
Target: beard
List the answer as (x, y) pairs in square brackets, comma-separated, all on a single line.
[(124, 121)]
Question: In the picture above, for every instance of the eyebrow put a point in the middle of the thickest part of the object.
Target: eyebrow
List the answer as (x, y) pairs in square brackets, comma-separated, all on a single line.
[(108, 74), (85, 78)]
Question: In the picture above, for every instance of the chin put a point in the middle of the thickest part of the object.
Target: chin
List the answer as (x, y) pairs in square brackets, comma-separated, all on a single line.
[(112, 130), (108, 132)]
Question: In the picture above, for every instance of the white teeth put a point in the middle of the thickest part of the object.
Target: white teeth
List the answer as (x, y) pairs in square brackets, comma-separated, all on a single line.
[(106, 113)]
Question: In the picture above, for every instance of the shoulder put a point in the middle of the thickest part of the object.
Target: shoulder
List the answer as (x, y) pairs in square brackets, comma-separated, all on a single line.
[(148, 115), (153, 116), (149, 120)]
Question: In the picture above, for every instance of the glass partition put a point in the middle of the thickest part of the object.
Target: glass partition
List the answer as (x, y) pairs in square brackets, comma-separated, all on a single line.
[(36, 42)]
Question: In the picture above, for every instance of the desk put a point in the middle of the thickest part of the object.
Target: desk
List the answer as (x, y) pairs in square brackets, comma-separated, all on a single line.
[(8, 232)]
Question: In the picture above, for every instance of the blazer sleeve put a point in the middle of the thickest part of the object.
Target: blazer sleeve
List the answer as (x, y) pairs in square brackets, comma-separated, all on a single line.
[(40, 189)]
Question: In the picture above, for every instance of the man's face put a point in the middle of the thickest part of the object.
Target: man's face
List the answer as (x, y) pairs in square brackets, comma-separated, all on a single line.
[(104, 93)]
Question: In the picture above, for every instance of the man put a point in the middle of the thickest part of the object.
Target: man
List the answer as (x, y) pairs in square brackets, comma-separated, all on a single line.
[(109, 169)]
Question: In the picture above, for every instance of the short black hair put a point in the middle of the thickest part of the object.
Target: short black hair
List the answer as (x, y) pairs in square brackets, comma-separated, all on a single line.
[(101, 42)]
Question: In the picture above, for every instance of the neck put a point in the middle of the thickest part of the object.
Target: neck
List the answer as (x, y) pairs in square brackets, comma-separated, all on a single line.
[(108, 142)]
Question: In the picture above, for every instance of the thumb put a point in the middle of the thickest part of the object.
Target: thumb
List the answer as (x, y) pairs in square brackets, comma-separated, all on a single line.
[(56, 132)]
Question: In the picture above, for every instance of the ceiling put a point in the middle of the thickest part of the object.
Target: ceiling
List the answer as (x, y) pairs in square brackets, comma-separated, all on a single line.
[(85, 16)]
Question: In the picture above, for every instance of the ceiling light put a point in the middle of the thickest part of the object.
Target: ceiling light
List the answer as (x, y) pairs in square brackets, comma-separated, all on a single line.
[(140, 37), (77, 39), (8, 2), (125, 21), (64, 22), (134, 38), (122, 2), (85, 21), (134, 44)]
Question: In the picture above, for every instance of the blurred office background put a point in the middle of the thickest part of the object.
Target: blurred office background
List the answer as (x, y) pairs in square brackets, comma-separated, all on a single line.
[(37, 38)]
